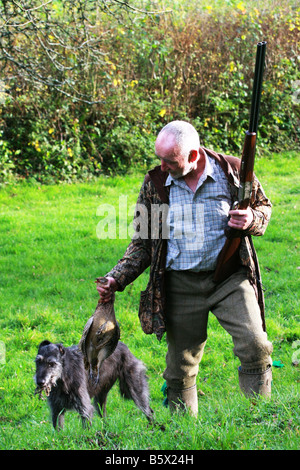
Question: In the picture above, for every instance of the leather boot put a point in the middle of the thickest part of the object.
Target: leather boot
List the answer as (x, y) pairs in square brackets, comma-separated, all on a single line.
[(255, 382), (183, 400)]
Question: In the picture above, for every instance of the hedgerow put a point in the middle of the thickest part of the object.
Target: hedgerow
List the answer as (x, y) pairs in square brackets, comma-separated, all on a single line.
[(195, 62)]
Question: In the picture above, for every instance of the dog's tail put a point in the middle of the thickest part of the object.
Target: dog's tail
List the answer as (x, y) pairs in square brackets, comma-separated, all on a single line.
[(134, 385), (133, 380)]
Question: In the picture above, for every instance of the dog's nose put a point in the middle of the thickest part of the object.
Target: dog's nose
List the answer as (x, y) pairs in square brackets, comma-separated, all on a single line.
[(41, 382)]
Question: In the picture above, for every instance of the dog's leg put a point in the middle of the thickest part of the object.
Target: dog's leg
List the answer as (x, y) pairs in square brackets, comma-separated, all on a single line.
[(83, 405), (86, 412), (58, 418), (97, 380), (100, 404), (86, 422), (97, 407), (61, 419), (91, 375)]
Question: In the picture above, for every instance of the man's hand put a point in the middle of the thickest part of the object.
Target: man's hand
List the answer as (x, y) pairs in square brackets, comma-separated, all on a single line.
[(240, 219), (106, 290)]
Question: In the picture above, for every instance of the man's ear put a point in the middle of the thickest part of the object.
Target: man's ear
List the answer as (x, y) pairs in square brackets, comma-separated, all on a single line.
[(193, 156)]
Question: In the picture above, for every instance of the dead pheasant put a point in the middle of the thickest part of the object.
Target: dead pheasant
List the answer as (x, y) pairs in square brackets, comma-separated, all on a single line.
[(100, 335)]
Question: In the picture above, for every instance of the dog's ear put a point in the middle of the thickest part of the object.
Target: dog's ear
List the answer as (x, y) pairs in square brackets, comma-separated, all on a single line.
[(61, 349), (44, 343)]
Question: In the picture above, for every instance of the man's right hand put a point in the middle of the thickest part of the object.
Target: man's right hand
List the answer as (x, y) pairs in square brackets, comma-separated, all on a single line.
[(106, 290)]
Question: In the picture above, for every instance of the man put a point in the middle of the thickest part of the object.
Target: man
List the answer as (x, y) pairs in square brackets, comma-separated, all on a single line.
[(198, 186)]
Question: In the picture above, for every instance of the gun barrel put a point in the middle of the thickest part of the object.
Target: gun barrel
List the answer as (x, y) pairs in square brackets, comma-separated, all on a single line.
[(257, 85), (228, 259)]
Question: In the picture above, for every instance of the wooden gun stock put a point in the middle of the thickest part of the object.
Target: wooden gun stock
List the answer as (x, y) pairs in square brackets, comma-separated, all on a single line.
[(228, 260)]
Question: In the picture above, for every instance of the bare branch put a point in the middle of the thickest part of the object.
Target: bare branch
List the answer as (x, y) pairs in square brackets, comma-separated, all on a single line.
[(57, 43), (39, 6), (138, 10)]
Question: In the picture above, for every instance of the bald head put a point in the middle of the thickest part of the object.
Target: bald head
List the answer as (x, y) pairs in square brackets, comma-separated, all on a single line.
[(177, 145), (181, 135)]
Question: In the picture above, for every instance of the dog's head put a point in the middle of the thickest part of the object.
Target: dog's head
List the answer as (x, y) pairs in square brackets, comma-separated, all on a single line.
[(48, 366)]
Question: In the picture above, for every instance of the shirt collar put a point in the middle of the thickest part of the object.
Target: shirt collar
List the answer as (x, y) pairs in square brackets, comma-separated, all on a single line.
[(209, 170)]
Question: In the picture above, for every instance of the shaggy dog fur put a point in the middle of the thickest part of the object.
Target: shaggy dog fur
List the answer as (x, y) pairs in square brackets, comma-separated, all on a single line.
[(60, 373)]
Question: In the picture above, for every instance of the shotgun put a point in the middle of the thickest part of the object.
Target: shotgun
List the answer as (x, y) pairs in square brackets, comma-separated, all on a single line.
[(229, 256)]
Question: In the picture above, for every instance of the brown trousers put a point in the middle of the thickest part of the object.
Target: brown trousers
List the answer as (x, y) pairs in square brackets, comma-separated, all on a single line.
[(190, 298)]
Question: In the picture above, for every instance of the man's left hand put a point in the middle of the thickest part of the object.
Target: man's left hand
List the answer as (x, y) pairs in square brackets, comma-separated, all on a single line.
[(240, 219)]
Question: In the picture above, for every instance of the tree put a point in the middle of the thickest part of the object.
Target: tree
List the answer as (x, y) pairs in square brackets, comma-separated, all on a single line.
[(57, 43)]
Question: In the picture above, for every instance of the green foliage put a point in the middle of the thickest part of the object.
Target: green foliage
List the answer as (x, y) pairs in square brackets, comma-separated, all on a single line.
[(6, 164), (196, 63)]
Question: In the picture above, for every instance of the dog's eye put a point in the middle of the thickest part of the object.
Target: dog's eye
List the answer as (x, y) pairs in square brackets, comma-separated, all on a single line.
[(51, 364)]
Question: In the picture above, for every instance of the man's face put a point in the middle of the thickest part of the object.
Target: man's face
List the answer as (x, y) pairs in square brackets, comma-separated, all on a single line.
[(173, 163)]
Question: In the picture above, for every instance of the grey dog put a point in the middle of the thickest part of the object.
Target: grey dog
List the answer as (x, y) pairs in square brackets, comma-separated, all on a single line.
[(60, 373)]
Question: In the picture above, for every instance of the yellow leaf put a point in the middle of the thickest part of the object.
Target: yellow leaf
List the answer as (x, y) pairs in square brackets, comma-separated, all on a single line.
[(51, 131), (241, 6), (232, 67), (162, 112)]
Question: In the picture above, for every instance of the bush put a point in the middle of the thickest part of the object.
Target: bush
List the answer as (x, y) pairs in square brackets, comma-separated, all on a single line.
[(195, 64)]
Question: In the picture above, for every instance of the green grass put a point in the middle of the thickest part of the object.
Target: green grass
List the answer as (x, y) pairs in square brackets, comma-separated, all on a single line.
[(50, 256)]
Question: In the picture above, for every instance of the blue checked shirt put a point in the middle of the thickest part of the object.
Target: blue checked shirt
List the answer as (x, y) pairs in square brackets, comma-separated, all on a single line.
[(197, 220)]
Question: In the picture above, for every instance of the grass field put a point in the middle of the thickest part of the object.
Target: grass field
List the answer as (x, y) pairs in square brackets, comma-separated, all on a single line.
[(50, 256)]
